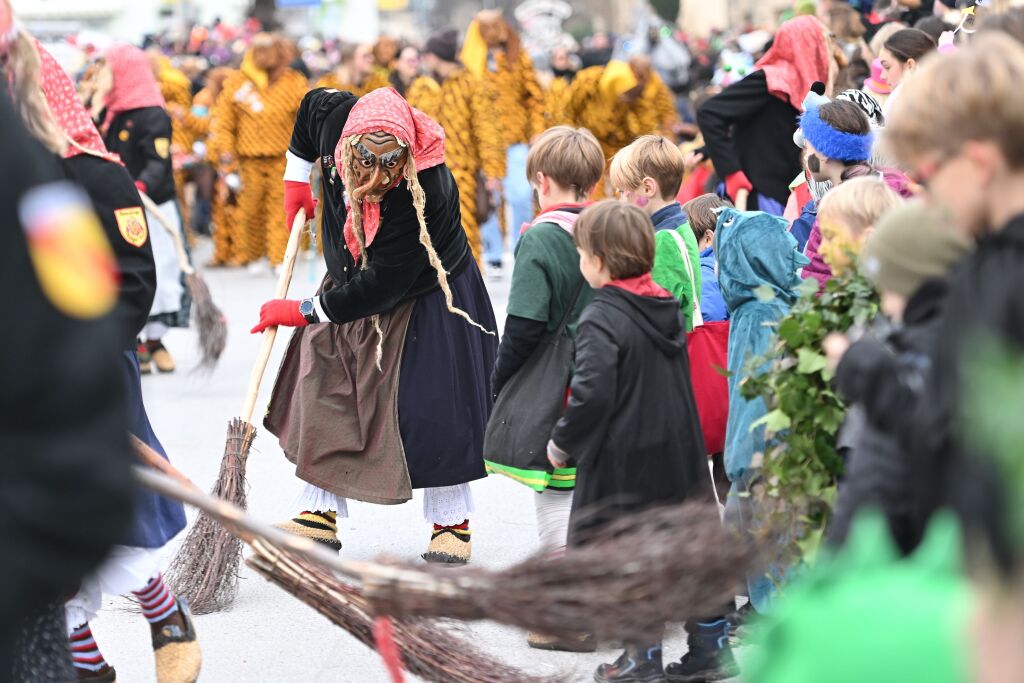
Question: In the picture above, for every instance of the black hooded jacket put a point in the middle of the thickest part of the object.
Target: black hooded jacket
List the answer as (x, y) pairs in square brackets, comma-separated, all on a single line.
[(632, 423)]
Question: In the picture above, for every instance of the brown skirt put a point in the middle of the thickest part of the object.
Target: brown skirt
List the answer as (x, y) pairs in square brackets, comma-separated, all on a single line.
[(336, 415)]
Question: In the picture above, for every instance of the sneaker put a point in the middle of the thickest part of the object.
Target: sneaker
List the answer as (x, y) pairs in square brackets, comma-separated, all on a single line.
[(450, 544), (161, 356), (321, 527), (494, 271), (584, 642), (145, 360), (176, 649), (702, 665), (738, 619), (634, 665)]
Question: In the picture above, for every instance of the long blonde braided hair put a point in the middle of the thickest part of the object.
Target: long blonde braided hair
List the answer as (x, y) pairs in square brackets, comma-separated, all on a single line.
[(419, 202)]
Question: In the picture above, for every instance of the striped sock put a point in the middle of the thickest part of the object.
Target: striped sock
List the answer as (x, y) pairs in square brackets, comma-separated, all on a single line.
[(85, 653), (157, 600)]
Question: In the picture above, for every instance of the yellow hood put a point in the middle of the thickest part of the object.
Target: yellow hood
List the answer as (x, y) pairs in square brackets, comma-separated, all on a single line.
[(474, 50), (257, 76), (617, 80)]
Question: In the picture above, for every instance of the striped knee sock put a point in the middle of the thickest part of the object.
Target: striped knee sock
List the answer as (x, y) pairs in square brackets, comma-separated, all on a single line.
[(85, 654), (157, 600)]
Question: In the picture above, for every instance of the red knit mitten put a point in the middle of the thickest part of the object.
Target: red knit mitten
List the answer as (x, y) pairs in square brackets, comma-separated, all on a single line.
[(278, 312)]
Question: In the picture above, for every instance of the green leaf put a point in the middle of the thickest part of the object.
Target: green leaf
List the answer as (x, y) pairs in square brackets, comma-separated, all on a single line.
[(808, 287), (809, 361), (775, 421), (790, 332)]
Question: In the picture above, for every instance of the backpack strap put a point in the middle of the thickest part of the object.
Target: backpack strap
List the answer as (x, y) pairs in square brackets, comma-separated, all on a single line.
[(698, 316)]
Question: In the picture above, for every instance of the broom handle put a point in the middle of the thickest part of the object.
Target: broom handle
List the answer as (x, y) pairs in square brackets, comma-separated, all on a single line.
[(251, 531), (150, 457), (179, 244), (256, 377)]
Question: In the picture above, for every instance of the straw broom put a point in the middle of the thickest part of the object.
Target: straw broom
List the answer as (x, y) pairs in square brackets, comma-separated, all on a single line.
[(213, 330), (302, 567), (205, 569), (664, 565)]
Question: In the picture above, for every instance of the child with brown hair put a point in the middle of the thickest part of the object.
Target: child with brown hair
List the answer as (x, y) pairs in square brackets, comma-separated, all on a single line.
[(702, 215), (648, 174), (563, 166), (632, 377)]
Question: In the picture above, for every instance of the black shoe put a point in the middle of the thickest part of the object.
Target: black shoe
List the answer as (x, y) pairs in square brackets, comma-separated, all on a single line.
[(739, 619), (701, 665), (635, 665)]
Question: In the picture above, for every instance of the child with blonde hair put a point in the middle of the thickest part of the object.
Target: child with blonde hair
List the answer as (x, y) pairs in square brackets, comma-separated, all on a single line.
[(648, 174), (847, 216)]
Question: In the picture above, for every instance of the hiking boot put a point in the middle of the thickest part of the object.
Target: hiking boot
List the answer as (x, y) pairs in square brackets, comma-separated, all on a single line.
[(145, 360), (161, 357), (583, 642), (176, 649), (321, 527), (738, 619), (709, 657), (450, 544), (634, 665)]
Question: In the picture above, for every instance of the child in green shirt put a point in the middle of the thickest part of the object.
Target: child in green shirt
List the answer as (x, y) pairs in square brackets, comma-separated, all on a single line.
[(647, 174)]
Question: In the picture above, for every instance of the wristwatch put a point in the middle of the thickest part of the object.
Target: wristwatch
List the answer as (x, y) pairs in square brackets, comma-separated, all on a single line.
[(308, 311)]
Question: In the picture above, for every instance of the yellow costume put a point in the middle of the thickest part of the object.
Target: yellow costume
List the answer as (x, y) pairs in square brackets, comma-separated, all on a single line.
[(657, 108), (252, 122), (176, 89), (556, 99), (470, 129), (595, 102)]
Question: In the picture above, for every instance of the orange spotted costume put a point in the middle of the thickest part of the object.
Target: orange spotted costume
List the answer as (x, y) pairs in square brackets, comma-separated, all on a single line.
[(252, 121), (460, 106), (177, 91), (594, 103)]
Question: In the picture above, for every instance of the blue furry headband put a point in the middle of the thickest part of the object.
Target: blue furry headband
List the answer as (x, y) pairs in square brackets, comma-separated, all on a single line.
[(835, 144)]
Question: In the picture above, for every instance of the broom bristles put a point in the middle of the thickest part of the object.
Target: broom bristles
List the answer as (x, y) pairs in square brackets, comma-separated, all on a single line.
[(212, 327), (205, 569), (630, 578), (429, 649)]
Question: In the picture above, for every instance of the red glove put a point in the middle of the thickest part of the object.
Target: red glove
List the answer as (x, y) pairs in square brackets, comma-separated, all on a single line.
[(736, 182), (140, 186), (297, 196), (279, 312)]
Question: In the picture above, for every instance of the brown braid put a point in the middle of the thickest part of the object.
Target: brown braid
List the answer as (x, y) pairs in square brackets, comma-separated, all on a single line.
[(419, 201)]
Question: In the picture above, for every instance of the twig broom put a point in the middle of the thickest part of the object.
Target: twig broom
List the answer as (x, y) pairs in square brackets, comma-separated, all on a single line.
[(302, 567), (213, 330), (205, 569)]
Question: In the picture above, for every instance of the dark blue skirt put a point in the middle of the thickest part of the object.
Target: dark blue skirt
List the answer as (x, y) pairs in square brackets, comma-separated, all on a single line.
[(444, 397), (157, 519)]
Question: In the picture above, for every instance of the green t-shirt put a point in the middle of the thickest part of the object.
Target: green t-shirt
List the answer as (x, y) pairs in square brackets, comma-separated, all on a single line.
[(546, 273), (670, 270)]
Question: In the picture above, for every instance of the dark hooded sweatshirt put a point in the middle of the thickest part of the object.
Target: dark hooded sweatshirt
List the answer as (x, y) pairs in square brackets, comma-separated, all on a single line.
[(631, 423)]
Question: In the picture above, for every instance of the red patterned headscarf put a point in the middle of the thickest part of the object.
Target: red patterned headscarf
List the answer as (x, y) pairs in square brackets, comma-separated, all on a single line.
[(68, 111), (385, 110), (135, 85), (798, 57)]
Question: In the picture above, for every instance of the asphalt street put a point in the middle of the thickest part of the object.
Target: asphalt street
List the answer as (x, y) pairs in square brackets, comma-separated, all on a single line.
[(269, 635)]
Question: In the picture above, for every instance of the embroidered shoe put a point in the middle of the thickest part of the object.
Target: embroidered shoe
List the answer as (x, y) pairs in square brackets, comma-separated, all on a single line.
[(450, 544), (161, 356), (176, 649), (321, 527)]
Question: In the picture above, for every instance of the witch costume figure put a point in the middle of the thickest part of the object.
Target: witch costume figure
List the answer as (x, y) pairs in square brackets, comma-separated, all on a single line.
[(383, 388), (136, 126), (54, 113)]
